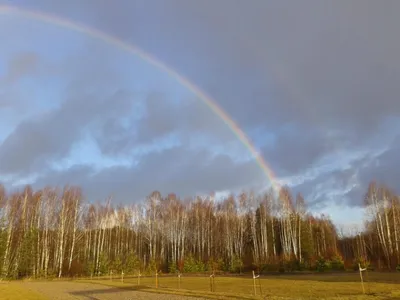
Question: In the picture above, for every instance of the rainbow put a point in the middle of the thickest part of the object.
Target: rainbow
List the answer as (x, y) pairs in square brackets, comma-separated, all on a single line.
[(132, 49)]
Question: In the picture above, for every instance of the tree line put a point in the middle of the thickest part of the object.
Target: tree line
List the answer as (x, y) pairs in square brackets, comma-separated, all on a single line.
[(53, 232)]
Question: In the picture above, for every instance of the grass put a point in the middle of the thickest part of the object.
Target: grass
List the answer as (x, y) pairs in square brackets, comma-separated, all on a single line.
[(310, 286), (13, 290), (380, 277), (345, 286)]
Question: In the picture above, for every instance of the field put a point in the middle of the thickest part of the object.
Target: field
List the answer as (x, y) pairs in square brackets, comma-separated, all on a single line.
[(11, 291), (312, 286)]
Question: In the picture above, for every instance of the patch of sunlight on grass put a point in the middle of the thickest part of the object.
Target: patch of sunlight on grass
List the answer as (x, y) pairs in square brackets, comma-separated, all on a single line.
[(13, 291), (291, 287)]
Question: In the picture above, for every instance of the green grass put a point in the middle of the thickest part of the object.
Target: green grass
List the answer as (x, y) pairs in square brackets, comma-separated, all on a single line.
[(13, 290), (311, 286)]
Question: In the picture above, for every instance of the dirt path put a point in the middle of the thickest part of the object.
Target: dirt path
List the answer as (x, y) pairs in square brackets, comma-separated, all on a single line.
[(87, 291)]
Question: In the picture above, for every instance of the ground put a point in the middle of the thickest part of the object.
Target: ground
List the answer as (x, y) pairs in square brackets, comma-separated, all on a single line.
[(313, 286), (11, 291), (64, 290)]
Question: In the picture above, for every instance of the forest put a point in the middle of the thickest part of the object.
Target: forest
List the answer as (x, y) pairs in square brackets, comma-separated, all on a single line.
[(55, 232)]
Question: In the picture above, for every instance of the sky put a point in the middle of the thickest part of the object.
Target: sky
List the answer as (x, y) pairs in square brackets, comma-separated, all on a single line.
[(313, 84)]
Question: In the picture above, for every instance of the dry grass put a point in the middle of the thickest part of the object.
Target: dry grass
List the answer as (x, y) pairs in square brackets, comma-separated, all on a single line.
[(345, 286), (69, 290), (329, 286), (13, 290)]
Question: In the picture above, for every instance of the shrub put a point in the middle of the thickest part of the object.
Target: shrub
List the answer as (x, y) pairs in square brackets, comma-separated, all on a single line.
[(172, 267), (322, 264), (152, 267), (117, 265), (200, 266), (214, 265), (132, 264), (236, 265), (295, 265), (364, 263), (180, 265), (270, 267), (104, 264), (192, 265), (89, 268), (337, 263)]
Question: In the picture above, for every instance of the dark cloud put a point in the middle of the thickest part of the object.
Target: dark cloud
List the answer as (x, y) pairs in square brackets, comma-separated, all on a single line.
[(175, 170), (384, 168), (21, 65), (35, 143), (321, 78), (190, 116), (298, 148), (337, 61)]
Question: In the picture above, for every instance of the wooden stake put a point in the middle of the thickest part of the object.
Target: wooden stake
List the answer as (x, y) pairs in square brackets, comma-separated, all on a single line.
[(122, 276), (212, 282), (259, 282), (138, 279), (361, 277), (367, 280), (179, 281), (254, 283), (156, 279)]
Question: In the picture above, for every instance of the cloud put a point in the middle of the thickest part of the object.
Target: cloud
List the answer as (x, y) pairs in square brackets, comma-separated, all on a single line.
[(315, 84), (174, 170), (383, 168), (298, 148), (50, 136), (296, 65), (20, 66)]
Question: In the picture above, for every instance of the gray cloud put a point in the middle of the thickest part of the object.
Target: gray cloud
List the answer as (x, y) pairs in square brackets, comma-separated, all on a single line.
[(336, 61), (21, 65), (385, 168), (323, 80), (35, 143), (298, 148), (345, 183), (175, 170)]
